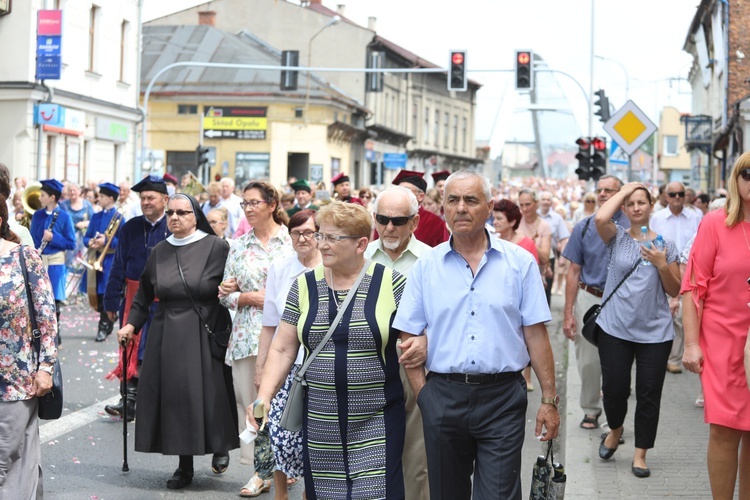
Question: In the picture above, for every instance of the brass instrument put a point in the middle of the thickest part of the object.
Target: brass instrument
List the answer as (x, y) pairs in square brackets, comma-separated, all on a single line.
[(95, 257), (31, 202), (51, 226), (194, 187)]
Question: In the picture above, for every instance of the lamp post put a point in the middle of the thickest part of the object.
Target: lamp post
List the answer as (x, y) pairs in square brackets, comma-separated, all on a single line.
[(331, 22), (624, 70)]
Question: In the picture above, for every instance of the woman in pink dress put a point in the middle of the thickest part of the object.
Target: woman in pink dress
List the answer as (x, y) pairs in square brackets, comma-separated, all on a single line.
[(506, 217), (716, 320)]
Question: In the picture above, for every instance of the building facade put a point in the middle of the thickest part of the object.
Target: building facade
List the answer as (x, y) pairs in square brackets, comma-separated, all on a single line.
[(674, 159), (81, 126)]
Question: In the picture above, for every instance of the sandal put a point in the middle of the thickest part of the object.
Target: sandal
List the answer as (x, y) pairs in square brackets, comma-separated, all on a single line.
[(292, 481), (255, 487), (590, 422)]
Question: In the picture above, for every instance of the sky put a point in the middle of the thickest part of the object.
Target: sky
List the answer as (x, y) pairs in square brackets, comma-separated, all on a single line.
[(643, 36)]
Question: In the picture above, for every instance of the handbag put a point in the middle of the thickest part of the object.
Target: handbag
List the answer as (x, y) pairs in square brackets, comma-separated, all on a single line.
[(218, 341), (591, 329), (547, 478), (291, 417), (51, 404)]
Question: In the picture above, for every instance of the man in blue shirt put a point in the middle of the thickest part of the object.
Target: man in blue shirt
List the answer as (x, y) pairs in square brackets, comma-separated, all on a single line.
[(482, 304), (588, 273)]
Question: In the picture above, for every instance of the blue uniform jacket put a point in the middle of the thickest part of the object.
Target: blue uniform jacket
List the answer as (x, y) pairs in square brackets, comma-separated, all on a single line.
[(63, 234), (99, 223)]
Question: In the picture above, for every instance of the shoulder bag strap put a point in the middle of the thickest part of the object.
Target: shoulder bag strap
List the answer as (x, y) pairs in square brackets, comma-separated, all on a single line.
[(635, 266), (187, 289), (36, 334), (337, 319)]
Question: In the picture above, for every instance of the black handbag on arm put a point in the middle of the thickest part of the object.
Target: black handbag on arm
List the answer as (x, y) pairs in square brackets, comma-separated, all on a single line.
[(51, 404), (218, 341)]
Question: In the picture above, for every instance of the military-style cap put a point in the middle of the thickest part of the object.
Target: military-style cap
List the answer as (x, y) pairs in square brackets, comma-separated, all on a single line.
[(109, 189), (412, 177), (338, 179), (151, 183), (301, 185), (52, 187), (170, 178), (440, 176)]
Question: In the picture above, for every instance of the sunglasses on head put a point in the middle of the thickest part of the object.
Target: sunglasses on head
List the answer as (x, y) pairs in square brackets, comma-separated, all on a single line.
[(745, 174), (396, 221), (681, 194)]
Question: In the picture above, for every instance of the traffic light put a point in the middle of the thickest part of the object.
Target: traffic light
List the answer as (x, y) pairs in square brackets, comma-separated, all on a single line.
[(603, 104), (201, 156), (457, 73), (598, 157), (289, 78), (524, 70), (584, 158)]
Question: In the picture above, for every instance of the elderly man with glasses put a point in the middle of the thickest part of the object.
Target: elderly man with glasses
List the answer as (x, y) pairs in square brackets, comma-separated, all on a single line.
[(678, 224)]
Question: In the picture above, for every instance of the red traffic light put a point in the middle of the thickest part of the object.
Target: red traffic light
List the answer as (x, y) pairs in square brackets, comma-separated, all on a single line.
[(599, 144), (583, 143), (524, 58), (457, 58)]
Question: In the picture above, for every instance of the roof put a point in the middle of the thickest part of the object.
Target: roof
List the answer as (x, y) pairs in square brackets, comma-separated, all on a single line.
[(700, 13), (165, 45)]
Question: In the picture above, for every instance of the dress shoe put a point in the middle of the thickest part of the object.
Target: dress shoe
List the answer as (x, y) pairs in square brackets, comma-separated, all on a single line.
[(640, 472), (180, 479), (674, 369), (101, 336), (220, 462), (604, 452)]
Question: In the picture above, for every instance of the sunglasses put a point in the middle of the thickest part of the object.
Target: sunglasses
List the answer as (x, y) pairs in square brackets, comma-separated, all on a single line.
[(396, 221), (680, 194), (745, 174), (590, 201), (180, 213)]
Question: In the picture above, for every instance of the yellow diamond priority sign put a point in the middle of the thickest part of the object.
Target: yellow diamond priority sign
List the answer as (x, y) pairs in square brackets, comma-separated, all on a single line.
[(629, 127)]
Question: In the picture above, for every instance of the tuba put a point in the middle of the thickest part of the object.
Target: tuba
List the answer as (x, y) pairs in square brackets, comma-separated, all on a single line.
[(194, 187), (31, 202)]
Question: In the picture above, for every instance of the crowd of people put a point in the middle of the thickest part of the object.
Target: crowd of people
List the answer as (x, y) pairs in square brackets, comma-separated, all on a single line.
[(224, 295)]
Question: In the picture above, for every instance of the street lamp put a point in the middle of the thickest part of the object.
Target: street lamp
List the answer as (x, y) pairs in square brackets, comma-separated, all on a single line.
[(624, 70), (331, 22)]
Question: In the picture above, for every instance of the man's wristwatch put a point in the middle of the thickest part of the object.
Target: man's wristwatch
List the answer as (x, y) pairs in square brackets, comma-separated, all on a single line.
[(551, 401), (48, 369)]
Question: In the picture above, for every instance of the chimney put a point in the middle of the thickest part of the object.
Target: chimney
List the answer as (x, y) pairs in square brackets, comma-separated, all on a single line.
[(319, 2), (341, 9), (207, 18), (371, 21)]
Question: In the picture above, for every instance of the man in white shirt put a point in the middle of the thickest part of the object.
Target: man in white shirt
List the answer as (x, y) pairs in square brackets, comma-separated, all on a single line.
[(396, 218), (679, 225), (560, 235), (231, 202)]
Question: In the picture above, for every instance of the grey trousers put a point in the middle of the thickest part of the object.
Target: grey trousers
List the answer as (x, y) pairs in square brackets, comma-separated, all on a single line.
[(587, 358), (20, 451)]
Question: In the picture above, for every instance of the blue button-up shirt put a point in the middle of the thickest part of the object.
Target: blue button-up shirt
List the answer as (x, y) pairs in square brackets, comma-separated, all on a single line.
[(474, 322)]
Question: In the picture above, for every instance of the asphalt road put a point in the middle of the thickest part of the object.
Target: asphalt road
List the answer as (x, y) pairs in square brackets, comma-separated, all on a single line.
[(82, 453)]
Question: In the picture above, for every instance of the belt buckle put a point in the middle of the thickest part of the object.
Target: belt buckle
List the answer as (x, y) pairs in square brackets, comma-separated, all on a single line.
[(468, 377)]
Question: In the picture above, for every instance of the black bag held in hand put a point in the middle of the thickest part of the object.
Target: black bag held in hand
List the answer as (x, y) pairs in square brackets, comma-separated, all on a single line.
[(218, 341), (291, 417), (547, 478), (51, 404), (590, 329)]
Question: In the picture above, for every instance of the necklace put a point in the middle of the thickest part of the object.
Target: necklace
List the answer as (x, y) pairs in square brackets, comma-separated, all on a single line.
[(743, 232), (333, 292)]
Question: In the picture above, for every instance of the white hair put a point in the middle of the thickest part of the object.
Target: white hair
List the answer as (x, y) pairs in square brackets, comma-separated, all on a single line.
[(227, 179), (468, 174), (413, 203)]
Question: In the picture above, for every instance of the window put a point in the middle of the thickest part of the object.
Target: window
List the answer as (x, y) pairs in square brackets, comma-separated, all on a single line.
[(437, 128), (384, 118), (187, 109), (298, 112), (124, 30), (256, 166), (670, 145), (414, 120), (403, 114), (446, 128), (455, 132), (93, 15), (394, 111), (426, 125), (463, 135)]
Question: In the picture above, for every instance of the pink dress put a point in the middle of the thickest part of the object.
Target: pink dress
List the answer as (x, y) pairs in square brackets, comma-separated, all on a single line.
[(720, 264), (528, 244)]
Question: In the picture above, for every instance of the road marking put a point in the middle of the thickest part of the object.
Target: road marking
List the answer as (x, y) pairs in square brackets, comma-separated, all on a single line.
[(69, 423)]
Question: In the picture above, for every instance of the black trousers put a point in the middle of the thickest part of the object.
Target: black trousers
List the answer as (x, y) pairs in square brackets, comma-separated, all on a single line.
[(104, 322), (617, 357), (473, 429)]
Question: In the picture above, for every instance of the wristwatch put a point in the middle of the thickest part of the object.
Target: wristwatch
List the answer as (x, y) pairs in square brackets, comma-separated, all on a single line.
[(48, 369), (551, 401)]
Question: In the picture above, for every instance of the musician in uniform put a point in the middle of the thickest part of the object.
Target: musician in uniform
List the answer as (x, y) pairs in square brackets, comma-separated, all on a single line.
[(135, 240), (303, 195), (53, 233), (97, 237), (342, 189)]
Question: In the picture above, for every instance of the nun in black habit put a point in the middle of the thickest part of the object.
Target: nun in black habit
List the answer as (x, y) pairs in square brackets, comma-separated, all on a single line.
[(185, 403)]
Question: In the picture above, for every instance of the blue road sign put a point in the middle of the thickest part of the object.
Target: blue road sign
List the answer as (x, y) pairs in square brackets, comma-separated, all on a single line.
[(394, 161), (617, 156), (48, 46)]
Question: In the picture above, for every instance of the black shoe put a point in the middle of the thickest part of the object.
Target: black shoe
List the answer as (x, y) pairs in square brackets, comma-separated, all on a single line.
[(622, 438), (604, 452), (179, 479), (640, 472), (220, 462), (101, 335), (114, 410)]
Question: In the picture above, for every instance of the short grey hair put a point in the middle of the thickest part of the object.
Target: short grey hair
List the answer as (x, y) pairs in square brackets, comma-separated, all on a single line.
[(609, 176), (469, 174), (413, 203)]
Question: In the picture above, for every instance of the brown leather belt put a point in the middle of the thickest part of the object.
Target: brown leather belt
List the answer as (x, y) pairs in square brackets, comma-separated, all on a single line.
[(593, 291)]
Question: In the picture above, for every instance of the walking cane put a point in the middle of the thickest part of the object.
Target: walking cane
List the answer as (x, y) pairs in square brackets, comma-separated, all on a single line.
[(124, 390)]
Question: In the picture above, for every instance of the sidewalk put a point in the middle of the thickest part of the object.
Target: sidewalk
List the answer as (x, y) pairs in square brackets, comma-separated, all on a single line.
[(677, 462)]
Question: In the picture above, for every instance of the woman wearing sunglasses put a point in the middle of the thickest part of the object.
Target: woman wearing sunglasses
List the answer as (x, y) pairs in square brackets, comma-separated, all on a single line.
[(716, 319), (353, 425)]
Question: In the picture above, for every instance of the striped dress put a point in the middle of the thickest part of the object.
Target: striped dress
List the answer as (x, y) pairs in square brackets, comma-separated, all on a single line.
[(353, 429)]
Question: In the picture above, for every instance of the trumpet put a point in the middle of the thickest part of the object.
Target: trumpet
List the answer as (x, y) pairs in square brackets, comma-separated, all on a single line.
[(109, 233)]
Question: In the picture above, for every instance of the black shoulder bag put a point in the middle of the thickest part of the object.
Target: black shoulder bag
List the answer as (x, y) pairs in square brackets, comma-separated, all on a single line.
[(590, 329), (218, 341), (51, 404)]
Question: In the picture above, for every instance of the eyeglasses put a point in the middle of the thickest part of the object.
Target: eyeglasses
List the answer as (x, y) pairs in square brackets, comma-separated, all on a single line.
[(366, 197), (214, 222), (296, 235), (332, 238), (679, 194), (745, 174), (252, 203), (179, 213), (606, 190), (396, 221)]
